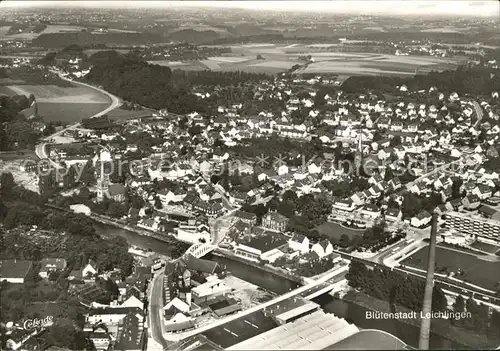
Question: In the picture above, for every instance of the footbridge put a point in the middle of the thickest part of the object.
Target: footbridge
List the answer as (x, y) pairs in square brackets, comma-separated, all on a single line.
[(200, 250)]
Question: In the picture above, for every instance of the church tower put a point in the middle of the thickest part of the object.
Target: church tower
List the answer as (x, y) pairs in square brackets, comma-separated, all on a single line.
[(358, 155), (103, 179)]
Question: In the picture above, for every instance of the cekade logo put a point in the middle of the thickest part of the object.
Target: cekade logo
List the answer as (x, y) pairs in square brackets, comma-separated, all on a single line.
[(37, 323)]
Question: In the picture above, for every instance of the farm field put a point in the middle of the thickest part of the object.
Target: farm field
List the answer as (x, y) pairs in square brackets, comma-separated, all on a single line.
[(186, 66), (334, 231), (485, 247), (279, 58), (49, 30), (475, 270)]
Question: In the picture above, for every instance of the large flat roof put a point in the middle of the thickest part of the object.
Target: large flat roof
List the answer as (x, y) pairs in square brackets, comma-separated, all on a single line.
[(311, 332), (369, 339)]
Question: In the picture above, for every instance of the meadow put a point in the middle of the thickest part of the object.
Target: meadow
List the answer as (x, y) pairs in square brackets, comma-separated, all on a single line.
[(334, 231), (475, 270), (68, 113)]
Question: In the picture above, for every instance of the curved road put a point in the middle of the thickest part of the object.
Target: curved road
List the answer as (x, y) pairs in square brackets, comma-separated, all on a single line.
[(40, 149)]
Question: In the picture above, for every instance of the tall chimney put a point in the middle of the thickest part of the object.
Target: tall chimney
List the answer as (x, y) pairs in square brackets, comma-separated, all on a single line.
[(425, 325)]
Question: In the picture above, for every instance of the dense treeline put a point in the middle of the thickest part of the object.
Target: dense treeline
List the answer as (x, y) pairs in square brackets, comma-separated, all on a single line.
[(156, 86), (395, 287), (463, 81), (14, 128), (407, 291), (24, 208), (61, 40)]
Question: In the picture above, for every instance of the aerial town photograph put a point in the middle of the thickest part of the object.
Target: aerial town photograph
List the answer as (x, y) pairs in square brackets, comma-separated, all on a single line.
[(249, 175)]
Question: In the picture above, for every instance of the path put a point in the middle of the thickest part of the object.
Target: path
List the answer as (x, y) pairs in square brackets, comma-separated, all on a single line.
[(41, 149)]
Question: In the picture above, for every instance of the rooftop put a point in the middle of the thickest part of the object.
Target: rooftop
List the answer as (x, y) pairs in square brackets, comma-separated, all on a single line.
[(266, 243), (14, 268), (312, 332), (369, 339)]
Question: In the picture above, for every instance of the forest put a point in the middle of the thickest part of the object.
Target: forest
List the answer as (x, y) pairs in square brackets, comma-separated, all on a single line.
[(474, 81), (154, 86)]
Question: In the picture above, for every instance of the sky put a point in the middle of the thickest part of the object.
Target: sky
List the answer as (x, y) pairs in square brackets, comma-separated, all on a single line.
[(380, 7)]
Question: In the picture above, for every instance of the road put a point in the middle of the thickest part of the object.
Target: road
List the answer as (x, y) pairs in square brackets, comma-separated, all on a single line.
[(155, 309), (41, 149), (479, 112), (220, 225), (260, 307)]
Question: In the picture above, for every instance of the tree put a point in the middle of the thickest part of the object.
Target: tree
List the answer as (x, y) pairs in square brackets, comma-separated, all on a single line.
[(395, 141), (158, 203), (87, 176), (7, 183), (459, 304), (64, 334), (344, 240)]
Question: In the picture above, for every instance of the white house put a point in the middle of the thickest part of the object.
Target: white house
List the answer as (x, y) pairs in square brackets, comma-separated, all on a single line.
[(393, 214), (299, 242), (344, 205), (421, 220), (90, 269), (370, 210), (323, 248), (133, 301)]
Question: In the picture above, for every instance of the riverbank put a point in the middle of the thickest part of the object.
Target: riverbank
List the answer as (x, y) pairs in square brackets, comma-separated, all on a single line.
[(441, 327)]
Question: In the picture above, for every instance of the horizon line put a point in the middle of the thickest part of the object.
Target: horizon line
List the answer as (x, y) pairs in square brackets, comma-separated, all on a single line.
[(461, 8)]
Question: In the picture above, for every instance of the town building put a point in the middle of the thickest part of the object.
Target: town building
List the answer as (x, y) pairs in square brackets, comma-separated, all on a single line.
[(275, 221), (49, 265), (469, 224)]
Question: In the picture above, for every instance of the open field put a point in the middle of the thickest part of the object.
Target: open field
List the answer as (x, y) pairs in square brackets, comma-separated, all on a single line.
[(54, 94), (67, 104), (186, 66), (475, 270), (49, 30), (485, 247), (69, 113), (334, 231)]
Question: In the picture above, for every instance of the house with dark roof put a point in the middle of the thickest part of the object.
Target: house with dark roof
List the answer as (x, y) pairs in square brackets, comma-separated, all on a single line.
[(421, 220), (262, 246), (393, 214), (14, 271), (130, 336), (51, 265), (299, 242), (275, 221), (246, 217), (471, 202), (100, 338), (112, 315), (117, 192), (487, 211)]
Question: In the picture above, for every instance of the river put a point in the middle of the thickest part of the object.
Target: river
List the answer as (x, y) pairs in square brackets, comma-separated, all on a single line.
[(350, 312)]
